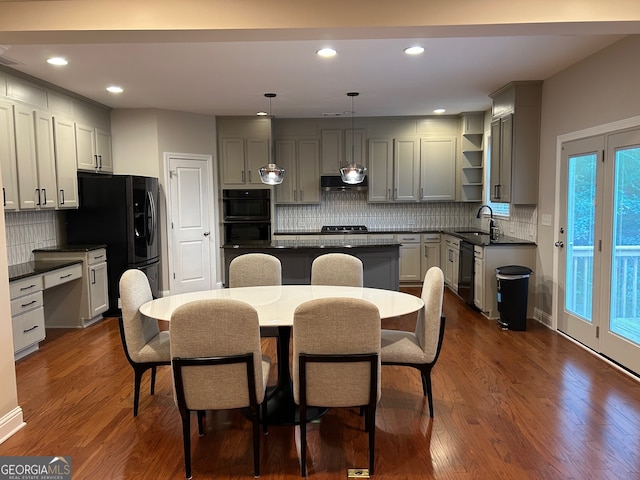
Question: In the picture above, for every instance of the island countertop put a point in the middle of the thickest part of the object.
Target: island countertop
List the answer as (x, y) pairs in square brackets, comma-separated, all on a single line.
[(351, 242)]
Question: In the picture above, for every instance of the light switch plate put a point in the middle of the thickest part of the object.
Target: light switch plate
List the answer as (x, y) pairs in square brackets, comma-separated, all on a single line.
[(546, 219)]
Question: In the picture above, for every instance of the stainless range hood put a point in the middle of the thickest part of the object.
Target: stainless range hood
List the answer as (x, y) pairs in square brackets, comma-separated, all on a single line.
[(333, 183)]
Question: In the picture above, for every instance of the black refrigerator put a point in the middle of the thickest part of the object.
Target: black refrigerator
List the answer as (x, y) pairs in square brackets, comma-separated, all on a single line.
[(120, 211)]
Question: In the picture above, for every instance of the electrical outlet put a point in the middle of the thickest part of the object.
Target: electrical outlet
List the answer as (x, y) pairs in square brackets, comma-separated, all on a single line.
[(411, 224), (358, 473), (302, 225), (512, 229)]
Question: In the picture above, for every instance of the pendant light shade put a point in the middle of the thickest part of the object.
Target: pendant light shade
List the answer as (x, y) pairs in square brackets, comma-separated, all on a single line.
[(353, 172), (271, 174)]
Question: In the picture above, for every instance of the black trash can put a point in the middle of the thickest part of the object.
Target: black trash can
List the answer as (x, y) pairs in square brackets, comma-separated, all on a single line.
[(513, 288)]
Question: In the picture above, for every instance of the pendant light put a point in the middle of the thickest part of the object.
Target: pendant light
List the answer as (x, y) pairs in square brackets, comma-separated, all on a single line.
[(353, 173), (271, 174)]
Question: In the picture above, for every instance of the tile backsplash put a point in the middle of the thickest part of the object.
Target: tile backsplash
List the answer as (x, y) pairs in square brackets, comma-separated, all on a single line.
[(352, 208), (27, 231)]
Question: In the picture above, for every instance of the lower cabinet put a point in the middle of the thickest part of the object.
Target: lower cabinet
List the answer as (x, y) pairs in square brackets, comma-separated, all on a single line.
[(27, 315), (87, 301), (430, 252), (450, 260), (410, 270)]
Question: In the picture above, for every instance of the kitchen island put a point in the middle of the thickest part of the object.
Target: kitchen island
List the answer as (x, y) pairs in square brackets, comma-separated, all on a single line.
[(379, 258)]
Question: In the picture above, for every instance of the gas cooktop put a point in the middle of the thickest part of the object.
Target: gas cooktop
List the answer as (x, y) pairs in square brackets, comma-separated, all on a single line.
[(343, 229)]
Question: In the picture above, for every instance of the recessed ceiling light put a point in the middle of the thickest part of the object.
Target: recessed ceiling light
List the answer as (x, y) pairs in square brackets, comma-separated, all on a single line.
[(262, 114), (413, 50), (326, 52), (115, 89), (59, 61), (439, 110)]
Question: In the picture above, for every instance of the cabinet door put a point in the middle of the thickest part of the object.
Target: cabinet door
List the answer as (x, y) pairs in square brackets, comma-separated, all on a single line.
[(98, 289), (103, 150), (8, 164), (66, 170), (308, 171), (406, 169), (287, 191), (438, 169), (26, 158), (331, 152), (257, 157), (478, 283), (410, 262), (455, 274), (85, 148), (430, 257), (45, 155), (232, 161), (380, 170), (501, 153)]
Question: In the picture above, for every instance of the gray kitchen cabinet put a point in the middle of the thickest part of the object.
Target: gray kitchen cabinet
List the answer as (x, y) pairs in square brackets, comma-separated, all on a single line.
[(337, 149), (451, 260), (36, 159), (65, 159), (479, 298), (437, 169), (241, 158), (93, 149), (430, 243), (8, 164), (410, 256), (301, 160), (515, 143), (406, 169), (471, 162), (27, 315), (380, 171)]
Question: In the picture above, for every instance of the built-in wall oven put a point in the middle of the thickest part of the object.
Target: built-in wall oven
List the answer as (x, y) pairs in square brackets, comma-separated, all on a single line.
[(246, 216), (465, 272)]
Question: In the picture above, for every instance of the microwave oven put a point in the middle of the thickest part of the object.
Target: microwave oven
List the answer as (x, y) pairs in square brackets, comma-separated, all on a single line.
[(246, 205), (247, 233)]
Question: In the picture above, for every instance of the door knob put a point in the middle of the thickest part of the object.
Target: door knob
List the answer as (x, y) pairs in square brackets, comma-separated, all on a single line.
[(206, 234), (559, 244)]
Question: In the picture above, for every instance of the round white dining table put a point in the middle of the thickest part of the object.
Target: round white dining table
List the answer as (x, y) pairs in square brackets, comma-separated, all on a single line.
[(276, 306)]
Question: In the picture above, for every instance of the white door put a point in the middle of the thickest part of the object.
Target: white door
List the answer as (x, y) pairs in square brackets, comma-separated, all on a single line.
[(190, 230)]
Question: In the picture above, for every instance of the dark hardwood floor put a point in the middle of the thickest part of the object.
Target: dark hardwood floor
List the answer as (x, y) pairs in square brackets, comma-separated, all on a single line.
[(508, 405)]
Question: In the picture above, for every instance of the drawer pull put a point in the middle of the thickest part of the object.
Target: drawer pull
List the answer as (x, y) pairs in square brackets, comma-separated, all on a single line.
[(65, 276), (27, 288), (97, 257), (29, 303), (30, 329)]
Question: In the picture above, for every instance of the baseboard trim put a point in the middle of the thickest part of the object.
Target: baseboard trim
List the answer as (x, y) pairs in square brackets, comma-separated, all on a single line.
[(11, 423)]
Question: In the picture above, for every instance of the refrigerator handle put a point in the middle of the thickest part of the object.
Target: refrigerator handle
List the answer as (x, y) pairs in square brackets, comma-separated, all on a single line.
[(152, 217)]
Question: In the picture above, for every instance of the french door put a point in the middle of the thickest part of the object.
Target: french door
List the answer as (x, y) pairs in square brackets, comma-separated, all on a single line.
[(599, 245)]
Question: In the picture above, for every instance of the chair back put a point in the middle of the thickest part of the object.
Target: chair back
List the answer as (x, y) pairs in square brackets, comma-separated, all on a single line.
[(216, 328), (138, 329), (336, 326), (337, 269), (430, 316), (255, 269)]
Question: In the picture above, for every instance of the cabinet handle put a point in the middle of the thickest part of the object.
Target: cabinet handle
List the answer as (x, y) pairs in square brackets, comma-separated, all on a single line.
[(395, 196), (295, 195), (4, 197), (65, 276), (302, 195), (29, 329), (98, 257), (38, 195), (389, 194), (22, 289), (421, 192), (93, 274), (250, 176), (426, 250), (61, 197), (100, 164), (44, 194), (27, 304), (242, 176), (95, 160)]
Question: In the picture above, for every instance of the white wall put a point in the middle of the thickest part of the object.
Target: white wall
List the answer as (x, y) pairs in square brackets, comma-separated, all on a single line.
[(601, 89)]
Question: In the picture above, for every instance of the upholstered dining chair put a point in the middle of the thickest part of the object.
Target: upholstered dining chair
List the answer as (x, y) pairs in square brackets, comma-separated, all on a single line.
[(337, 269), (145, 346), (254, 270), (336, 360), (218, 365), (420, 349)]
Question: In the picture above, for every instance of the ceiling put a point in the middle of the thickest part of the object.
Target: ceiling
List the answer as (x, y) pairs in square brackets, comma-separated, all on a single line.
[(231, 77)]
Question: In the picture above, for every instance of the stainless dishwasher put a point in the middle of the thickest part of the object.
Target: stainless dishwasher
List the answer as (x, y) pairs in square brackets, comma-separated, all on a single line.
[(465, 272)]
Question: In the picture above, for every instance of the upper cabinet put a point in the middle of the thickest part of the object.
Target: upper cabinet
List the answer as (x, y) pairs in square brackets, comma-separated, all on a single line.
[(301, 160), (515, 143), (339, 146), (437, 169), (66, 167), (93, 147), (8, 164), (471, 167), (244, 147)]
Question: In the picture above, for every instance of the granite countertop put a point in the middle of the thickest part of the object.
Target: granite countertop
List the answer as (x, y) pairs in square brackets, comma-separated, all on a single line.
[(320, 243), (71, 248), (29, 269)]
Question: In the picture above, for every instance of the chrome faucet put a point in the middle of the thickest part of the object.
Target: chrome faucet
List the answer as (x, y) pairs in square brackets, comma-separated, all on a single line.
[(492, 226)]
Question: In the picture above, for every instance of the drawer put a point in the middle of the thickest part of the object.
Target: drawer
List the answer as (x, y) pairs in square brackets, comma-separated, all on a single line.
[(25, 286), (430, 237), (478, 252), (28, 329), (97, 256), (62, 275), (408, 238), (26, 303)]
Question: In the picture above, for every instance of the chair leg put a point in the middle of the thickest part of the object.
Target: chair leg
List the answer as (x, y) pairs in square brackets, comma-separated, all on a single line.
[(371, 425), (153, 379), (303, 439), (137, 379), (265, 425), (255, 420), (186, 440), (201, 422), (425, 373)]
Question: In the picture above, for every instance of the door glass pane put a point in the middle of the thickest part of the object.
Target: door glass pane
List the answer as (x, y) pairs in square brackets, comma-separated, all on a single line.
[(625, 294), (580, 234)]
